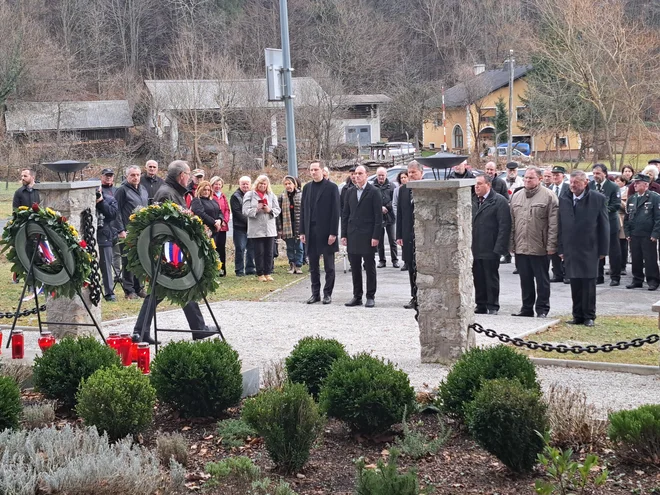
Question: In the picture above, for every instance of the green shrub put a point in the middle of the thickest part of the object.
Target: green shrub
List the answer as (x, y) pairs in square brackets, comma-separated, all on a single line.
[(234, 432), (119, 401), (244, 477), (385, 480), (201, 378), (636, 434), (38, 415), (57, 374), (10, 403), (417, 445), (289, 422), (367, 393), (477, 365), (311, 360), (504, 418)]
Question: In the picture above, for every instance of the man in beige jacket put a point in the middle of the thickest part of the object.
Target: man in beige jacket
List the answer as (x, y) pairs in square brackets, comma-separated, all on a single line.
[(534, 211)]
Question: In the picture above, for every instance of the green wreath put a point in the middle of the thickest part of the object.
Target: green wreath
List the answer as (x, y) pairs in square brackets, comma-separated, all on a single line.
[(147, 233), (61, 264)]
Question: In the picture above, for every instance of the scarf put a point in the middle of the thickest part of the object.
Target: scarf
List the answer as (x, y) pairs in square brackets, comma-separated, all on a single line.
[(289, 219), (262, 196)]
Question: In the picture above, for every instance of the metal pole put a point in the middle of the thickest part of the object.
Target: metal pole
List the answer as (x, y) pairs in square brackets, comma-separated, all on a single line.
[(510, 138), (288, 91), (444, 122)]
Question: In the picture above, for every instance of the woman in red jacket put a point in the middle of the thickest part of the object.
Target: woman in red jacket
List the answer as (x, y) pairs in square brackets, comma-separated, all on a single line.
[(221, 237)]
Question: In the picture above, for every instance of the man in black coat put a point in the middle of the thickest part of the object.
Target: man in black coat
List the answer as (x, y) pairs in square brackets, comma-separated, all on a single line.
[(174, 189), (491, 229), (405, 225), (150, 180), (26, 195), (319, 225), (107, 210), (583, 239), (498, 185), (386, 189), (558, 186), (612, 195), (243, 248), (361, 223)]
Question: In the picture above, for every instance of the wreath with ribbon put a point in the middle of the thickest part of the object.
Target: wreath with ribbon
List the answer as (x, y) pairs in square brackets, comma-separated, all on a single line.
[(61, 264), (172, 241)]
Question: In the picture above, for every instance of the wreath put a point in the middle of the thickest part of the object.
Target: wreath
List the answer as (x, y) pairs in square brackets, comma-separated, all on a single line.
[(61, 264), (164, 237)]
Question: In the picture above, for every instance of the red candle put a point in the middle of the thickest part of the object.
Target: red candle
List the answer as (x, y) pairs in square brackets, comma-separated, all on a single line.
[(17, 345), (134, 352), (125, 348), (46, 340), (143, 357), (113, 341), (0, 341)]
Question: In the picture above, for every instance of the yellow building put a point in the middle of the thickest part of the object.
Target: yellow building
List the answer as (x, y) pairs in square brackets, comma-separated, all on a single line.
[(471, 105)]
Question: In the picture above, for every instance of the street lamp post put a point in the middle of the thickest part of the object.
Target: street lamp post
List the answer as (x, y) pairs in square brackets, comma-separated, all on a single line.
[(292, 159), (510, 138)]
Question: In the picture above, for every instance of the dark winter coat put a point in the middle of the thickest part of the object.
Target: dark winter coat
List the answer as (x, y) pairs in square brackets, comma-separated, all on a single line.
[(327, 210), (612, 195), (236, 203), (151, 184), (106, 214), (499, 186), (172, 191), (583, 233), (23, 197), (362, 221), (405, 222), (491, 227), (129, 198), (642, 216), (208, 210), (386, 195)]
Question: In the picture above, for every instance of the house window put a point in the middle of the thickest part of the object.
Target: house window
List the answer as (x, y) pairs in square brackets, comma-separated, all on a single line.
[(563, 142), (458, 137), (522, 113)]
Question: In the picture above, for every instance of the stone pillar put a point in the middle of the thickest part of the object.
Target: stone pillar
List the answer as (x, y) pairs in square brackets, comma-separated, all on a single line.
[(445, 291), (70, 199)]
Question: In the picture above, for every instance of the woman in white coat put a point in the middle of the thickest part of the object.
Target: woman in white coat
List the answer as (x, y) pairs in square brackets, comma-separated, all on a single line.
[(261, 208)]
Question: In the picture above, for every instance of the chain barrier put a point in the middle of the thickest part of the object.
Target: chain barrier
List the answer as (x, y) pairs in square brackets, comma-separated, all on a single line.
[(563, 348), (25, 312), (89, 236)]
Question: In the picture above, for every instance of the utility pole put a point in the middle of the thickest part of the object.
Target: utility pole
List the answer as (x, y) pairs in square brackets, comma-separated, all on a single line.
[(292, 159), (509, 147)]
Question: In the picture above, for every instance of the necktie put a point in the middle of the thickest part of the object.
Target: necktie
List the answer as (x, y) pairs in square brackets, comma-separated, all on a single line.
[(599, 187), (556, 189), (481, 201)]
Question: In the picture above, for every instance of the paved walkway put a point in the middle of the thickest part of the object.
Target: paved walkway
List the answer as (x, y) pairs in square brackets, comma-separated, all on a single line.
[(267, 330)]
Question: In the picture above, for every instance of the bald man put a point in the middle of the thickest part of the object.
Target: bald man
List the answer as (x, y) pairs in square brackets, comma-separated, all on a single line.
[(386, 189)]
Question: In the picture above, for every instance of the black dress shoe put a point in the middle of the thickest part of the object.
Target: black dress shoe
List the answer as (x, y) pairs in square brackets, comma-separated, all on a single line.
[(150, 341), (356, 301), (313, 299), (575, 321), (381, 264), (653, 286), (515, 272), (480, 311), (600, 281), (410, 305), (404, 267), (327, 299), (556, 280), (614, 283), (492, 311), (370, 303), (396, 264), (529, 315), (634, 286), (588, 323), (567, 280), (542, 315)]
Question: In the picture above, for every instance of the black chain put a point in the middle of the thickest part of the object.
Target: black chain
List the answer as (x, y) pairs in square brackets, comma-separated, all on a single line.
[(563, 348), (25, 312), (89, 236)]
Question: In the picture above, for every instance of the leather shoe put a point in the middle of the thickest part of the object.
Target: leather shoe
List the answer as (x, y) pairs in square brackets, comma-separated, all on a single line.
[(542, 315), (588, 323), (515, 272), (480, 311), (410, 305), (370, 303), (529, 315), (600, 281), (614, 283), (575, 322), (395, 264), (556, 280), (404, 267), (567, 281), (149, 340), (327, 299), (313, 299), (492, 311), (381, 264), (653, 286), (356, 301), (634, 286)]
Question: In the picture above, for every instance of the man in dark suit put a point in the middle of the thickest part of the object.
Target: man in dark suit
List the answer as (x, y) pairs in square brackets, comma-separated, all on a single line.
[(361, 223), (612, 195), (491, 229), (405, 225), (319, 223), (583, 238), (558, 186)]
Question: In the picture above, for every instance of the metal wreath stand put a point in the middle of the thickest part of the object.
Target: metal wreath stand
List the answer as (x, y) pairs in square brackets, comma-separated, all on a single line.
[(151, 265), (31, 227)]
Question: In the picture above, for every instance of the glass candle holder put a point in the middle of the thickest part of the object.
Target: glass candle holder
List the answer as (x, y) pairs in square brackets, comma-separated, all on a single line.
[(0, 341), (113, 341), (125, 348), (143, 357), (45, 341), (134, 352), (17, 345)]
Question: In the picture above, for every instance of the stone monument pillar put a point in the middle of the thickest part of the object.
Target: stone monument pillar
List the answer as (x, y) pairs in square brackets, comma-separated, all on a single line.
[(445, 291), (70, 199)]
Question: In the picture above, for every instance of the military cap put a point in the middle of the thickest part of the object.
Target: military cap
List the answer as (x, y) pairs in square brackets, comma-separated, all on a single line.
[(512, 165), (654, 160), (558, 169), (107, 171), (198, 172), (643, 178)]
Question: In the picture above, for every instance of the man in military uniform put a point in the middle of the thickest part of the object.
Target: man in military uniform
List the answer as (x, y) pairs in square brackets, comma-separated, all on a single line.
[(642, 228), (612, 195), (558, 186)]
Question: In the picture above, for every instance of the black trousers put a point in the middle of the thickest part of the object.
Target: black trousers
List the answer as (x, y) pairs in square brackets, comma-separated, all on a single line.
[(356, 272), (263, 255), (191, 310), (486, 275), (557, 266), (614, 257), (315, 273), (105, 263), (583, 293), (644, 259), (129, 282), (381, 244), (534, 282), (623, 244), (220, 239)]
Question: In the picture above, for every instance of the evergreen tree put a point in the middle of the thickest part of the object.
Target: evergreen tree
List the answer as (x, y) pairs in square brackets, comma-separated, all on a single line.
[(501, 121)]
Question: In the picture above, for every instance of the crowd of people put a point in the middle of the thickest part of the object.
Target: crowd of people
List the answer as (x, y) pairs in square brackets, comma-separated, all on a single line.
[(542, 219)]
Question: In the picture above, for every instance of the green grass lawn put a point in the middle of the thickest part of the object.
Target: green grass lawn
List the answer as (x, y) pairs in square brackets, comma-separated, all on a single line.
[(608, 329), (6, 197)]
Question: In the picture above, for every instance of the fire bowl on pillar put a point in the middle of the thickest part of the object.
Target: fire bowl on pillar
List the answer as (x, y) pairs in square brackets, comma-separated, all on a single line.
[(441, 161), (66, 167)]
